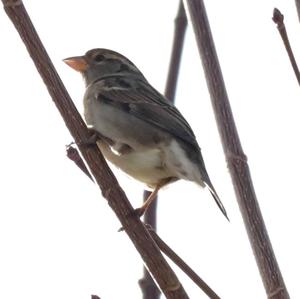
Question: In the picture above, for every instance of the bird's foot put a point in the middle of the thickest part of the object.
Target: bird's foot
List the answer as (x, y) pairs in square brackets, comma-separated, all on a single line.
[(92, 139), (139, 212)]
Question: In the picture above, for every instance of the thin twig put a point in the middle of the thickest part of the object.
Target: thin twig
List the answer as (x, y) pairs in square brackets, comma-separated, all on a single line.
[(73, 154), (149, 288), (278, 19), (183, 266), (107, 182), (236, 159)]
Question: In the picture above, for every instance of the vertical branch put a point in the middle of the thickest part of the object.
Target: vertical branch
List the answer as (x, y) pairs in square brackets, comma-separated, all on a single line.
[(179, 33), (236, 159), (149, 288), (148, 250)]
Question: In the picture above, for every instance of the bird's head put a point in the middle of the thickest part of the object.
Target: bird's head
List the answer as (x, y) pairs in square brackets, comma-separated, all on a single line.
[(101, 63)]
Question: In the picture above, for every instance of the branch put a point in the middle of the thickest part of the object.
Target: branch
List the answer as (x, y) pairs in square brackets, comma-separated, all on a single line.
[(108, 184), (236, 159), (179, 33), (149, 288), (73, 154), (183, 266), (278, 19)]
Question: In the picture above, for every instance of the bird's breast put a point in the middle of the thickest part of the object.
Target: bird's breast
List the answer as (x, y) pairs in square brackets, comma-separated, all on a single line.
[(147, 166)]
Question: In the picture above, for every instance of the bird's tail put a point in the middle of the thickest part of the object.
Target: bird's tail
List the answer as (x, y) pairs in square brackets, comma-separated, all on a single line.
[(213, 192)]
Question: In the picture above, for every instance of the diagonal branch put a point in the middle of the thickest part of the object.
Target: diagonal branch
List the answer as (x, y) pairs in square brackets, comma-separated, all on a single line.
[(73, 154), (108, 184), (278, 19), (183, 266), (236, 159)]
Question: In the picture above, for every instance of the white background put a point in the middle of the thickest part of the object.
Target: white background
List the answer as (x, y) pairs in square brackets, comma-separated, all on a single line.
[(58, 236)]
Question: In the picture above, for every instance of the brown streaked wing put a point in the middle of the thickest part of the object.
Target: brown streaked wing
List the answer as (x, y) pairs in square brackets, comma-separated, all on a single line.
[(145, 103)]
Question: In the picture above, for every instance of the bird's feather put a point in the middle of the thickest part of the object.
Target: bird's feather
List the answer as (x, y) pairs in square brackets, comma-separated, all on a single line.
[(144, 102)]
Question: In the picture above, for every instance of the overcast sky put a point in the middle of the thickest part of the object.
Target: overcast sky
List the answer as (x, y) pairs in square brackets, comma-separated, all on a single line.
[(59, 237)]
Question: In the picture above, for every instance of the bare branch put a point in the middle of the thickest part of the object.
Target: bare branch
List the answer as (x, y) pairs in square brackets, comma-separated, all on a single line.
[(73, 154), (236, 159), (278, 19), (183, 266), (110, 188), (178, 40)]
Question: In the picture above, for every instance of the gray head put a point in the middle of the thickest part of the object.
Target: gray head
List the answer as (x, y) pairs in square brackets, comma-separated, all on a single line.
[(101, 63)]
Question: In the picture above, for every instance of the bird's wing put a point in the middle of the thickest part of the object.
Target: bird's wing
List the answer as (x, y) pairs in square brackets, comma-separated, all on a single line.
[(144, 102)]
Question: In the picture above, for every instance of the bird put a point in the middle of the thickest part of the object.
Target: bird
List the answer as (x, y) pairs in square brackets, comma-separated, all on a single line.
[(137, 129)]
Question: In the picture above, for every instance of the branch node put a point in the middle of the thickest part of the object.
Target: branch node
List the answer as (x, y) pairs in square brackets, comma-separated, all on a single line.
[(172, 288), (277, 17), (236, 157)]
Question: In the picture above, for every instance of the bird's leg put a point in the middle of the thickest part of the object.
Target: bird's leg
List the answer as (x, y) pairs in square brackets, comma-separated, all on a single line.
[(139, 212), (142, 209)]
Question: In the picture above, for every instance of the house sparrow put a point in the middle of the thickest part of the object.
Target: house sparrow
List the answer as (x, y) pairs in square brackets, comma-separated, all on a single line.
[(140, 131)]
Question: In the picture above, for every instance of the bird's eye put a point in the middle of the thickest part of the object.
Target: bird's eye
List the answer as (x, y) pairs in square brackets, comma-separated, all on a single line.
[(99, 58)]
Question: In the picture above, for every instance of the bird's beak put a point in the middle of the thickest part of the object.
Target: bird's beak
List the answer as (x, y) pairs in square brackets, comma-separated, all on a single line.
[(78, 63)]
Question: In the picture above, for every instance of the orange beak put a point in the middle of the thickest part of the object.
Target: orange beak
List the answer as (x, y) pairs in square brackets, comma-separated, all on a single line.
[(78, 63)]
